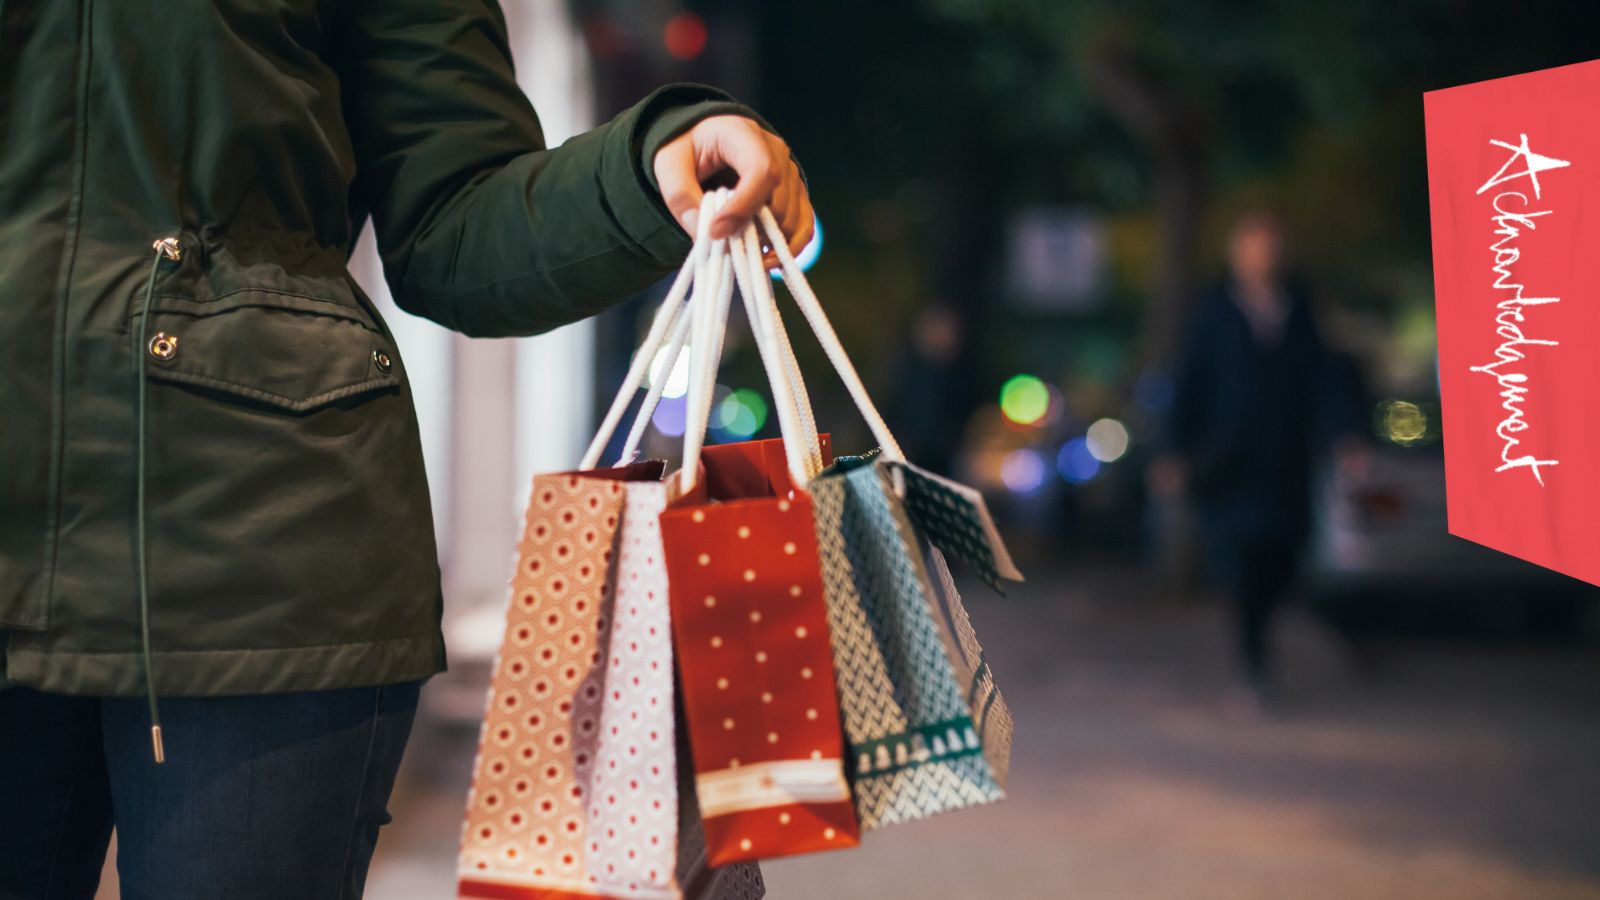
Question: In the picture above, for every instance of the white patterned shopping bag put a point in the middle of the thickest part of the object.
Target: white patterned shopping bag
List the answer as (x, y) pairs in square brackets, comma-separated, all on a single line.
[(580, 725), (576, 785)]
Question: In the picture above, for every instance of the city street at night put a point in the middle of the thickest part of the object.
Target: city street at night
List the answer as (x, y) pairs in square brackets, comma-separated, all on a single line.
[(531, 449)]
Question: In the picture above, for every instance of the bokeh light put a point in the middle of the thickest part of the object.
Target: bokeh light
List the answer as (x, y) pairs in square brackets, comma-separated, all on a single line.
[(742, 413), (670, 415), (685, 36), (678, 379), (807, 257), (1402, 422), (1024, 399), (605, 39), (1075, 463), (1107, 440), (1023, 471)]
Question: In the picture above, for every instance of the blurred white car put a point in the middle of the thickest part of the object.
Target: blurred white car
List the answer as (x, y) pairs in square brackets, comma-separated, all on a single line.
[(1381, 555)]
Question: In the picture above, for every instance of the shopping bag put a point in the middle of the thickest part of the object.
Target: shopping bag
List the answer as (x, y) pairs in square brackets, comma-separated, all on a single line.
[(989, 711), (750, 620), (955, 519), (576, 785), (585, 655), (927, 730), (759, 694), (1513, 177)]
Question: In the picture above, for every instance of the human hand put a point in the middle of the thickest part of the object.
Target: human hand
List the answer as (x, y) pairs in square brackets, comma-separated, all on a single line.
[(766, 172)]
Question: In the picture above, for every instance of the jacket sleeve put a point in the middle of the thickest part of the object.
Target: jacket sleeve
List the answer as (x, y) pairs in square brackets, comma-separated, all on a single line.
[(480, 226)]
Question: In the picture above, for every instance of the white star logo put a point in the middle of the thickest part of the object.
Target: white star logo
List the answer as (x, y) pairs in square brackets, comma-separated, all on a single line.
[(1536, 164)]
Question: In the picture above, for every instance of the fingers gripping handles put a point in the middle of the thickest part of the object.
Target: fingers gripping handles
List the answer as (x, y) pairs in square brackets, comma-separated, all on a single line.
[(694, 314)]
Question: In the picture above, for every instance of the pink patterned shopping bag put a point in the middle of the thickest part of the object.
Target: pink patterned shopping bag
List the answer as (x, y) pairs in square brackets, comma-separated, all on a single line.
[(575, 788)]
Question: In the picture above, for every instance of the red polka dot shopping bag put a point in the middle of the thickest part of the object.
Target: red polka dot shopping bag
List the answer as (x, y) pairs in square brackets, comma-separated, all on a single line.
[(757, 670), (577, 782), (749, 616)]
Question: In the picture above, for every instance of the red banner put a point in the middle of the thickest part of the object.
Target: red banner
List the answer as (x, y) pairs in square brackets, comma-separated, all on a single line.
[(1514, 182)]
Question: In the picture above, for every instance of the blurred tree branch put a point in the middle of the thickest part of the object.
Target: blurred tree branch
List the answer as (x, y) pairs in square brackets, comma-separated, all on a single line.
[(1174, 134), (1157, 114)]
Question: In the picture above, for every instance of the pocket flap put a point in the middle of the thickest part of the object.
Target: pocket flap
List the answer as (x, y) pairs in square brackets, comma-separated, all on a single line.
[(294, 353)]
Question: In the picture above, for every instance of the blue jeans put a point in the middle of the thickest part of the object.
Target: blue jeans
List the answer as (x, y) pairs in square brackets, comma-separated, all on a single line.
[(261, 798)]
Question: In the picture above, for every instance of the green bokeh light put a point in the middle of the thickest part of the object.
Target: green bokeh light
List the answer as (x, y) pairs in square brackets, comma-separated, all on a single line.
[(1024, 399), (742, 413)]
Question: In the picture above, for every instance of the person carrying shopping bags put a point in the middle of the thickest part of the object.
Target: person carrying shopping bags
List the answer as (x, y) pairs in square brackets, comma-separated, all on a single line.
[(218, 586)]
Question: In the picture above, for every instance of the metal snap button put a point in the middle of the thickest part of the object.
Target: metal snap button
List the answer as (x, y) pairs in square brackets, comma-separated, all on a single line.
[(164, 346), (169, 247), (382, 361)]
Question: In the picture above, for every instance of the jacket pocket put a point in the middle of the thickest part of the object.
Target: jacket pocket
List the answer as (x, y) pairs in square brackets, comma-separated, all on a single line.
[(291, 352)]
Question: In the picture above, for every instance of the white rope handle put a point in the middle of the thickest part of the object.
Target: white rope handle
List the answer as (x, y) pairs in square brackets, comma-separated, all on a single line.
[(652, 399), (795, 418), (676, 344), (671, 311), (807, 435), (713, 294), (798, 447), (806, 299), (708, 277), (800, 442)]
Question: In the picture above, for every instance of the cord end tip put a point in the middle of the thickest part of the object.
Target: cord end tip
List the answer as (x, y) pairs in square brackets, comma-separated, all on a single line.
[(156, 745)]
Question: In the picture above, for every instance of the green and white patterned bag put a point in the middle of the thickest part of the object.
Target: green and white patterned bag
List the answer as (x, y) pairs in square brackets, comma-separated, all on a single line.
[(927, 730), (954, 517)]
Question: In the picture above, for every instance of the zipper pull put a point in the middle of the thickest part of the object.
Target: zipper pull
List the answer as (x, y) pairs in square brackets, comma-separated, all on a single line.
[(169, 247)]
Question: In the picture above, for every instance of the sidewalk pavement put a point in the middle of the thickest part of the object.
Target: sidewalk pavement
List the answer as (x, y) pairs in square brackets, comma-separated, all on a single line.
[(1449, 771)]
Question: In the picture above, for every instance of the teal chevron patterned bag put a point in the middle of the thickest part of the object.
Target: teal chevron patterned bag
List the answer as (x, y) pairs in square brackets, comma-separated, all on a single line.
[(928, 731), (954, 517)]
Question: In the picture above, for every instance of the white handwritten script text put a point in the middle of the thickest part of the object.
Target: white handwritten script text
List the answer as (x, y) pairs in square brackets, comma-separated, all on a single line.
[(1513, 213)]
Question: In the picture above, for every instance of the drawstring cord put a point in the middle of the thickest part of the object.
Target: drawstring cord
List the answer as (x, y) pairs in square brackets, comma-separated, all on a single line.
[(167, 248)]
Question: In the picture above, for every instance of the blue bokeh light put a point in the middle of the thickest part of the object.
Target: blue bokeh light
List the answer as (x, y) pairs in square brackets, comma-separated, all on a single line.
[(1075, 463), (670, 415), (1023, 471), (807, 257)]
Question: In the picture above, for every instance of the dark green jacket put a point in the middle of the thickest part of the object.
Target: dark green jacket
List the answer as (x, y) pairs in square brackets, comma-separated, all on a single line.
[(289, 539)]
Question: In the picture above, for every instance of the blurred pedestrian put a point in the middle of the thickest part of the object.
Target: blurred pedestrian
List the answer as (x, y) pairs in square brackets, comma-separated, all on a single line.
[(211, 479), (1256, 395), (932, 393)]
